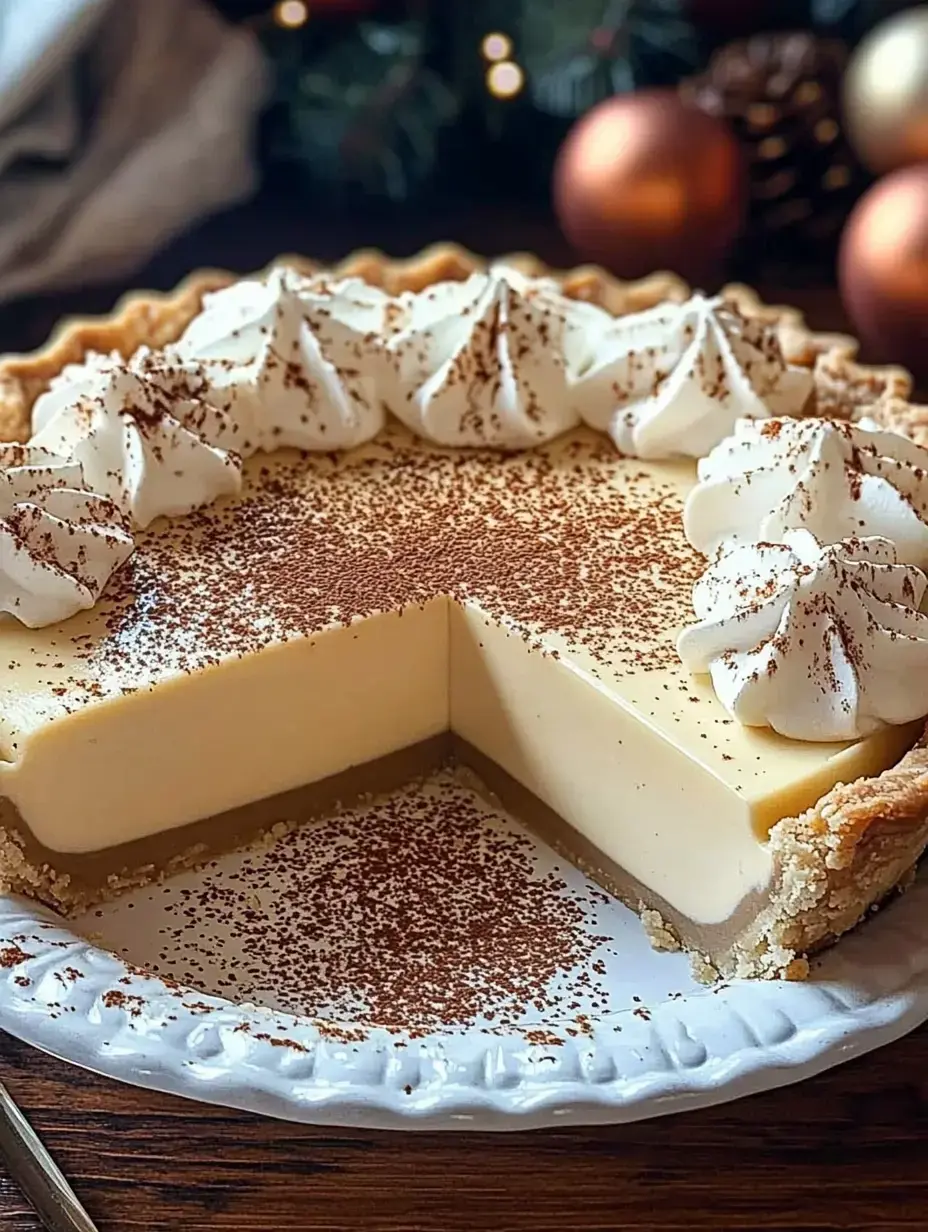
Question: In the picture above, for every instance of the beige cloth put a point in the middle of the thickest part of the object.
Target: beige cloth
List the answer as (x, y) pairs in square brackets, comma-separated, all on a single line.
[(121, 121)]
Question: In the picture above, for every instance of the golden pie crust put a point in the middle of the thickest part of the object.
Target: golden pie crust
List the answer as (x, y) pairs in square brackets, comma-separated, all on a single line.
[(834, 863)]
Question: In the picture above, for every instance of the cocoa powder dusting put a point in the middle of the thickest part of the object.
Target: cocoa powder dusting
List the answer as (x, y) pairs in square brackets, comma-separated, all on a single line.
[(572, 541), (418, 913), (12, 956)]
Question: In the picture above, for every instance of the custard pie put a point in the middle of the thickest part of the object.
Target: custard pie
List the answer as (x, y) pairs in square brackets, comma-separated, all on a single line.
[(648, 564)]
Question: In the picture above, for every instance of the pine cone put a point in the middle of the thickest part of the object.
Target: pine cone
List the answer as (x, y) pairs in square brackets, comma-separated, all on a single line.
[(781, 93)]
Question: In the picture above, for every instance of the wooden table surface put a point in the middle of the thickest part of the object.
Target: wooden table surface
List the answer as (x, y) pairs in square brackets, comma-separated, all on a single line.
[(848, 1149)]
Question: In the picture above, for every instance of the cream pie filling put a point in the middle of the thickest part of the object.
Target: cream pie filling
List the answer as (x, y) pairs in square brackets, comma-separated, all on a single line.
[(343, 609)]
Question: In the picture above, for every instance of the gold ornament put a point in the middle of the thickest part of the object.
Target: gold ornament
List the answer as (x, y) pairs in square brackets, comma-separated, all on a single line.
[(886, 93)]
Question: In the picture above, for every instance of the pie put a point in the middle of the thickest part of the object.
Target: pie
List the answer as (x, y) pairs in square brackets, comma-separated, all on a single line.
[(270, 546)]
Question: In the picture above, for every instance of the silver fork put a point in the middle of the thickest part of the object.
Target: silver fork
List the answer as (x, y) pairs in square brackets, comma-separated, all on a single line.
[(37, 1174)]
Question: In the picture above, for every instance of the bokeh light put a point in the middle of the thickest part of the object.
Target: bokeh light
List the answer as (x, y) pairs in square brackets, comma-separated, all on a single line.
[(291, 14), (505, 80), (496, 47)]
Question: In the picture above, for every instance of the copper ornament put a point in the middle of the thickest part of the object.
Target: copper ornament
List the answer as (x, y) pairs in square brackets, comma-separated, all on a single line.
[(883, 268), (645, 182)]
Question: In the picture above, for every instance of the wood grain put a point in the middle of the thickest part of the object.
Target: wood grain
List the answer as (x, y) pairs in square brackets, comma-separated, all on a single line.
[(844, 1150)]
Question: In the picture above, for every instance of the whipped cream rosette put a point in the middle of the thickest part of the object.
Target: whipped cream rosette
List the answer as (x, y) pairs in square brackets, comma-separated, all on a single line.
[(489, 361), (73, 382), (59, 543), (673, 380), (150, 452), (833, 479), (179, 380), (299, 359), (819, 642)]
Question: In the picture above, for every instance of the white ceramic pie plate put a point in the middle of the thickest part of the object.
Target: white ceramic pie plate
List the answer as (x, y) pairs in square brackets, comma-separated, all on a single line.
[(654, 1042)]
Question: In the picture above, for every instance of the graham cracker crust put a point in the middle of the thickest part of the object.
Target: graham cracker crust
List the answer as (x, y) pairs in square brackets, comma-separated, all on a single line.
[(832, 865), (71, 883)]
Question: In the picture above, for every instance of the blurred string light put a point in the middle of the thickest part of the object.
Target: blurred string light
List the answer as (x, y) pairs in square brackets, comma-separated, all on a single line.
[(505, 79), (291, 14), (496, 47)]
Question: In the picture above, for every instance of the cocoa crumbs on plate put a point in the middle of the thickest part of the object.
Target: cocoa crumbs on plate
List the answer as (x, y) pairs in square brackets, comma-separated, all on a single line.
[(420, 912), (12, 956)]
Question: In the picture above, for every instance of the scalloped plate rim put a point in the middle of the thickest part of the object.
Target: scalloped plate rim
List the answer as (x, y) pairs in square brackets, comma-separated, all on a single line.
[(841, 1019)]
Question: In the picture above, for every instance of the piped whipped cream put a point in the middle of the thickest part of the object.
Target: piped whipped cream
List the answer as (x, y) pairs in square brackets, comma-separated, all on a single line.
[(672, 381), (59, 543), (819, 642), (150, 452), (297, 359), (489, 361), (75, 381), (833, 479)]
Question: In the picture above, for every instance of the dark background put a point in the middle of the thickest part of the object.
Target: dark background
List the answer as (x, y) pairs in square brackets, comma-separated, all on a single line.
[(387, 106)]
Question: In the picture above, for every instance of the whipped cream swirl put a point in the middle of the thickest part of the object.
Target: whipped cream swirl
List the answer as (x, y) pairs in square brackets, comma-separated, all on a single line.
[(673, 380), (75, 381), (833, 479), (821, 643), (148, 451), (297, 361), (489, 361), (59, 543)]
